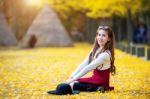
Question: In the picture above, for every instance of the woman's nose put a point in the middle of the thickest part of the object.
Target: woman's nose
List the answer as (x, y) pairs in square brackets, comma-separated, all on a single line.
[(99, 36)]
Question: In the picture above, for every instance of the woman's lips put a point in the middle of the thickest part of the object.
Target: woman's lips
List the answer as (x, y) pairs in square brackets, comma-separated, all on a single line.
[(100, 40)]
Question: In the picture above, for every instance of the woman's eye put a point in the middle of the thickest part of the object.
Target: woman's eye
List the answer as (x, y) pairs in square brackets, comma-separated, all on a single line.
[(99, 34), (104, 35)]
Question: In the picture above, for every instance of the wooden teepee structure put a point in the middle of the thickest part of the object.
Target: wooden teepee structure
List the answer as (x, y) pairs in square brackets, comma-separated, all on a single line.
[(46, 30), (7, 38)]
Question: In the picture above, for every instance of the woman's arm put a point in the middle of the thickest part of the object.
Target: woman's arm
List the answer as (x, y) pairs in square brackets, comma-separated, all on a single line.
[(81, 66), (101, 59)]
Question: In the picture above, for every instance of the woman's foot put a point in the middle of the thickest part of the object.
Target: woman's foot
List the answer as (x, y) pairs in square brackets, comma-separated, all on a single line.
[(101, 89)]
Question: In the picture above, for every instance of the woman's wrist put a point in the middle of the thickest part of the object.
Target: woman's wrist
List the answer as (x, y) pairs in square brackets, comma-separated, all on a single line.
[(71, 77), (69, 80)]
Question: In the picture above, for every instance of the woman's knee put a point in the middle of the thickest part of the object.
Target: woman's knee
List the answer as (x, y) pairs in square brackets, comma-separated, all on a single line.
[(84, 87)]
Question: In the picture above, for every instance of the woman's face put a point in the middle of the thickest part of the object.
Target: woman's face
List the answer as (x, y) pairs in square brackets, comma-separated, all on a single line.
[(102, 37)]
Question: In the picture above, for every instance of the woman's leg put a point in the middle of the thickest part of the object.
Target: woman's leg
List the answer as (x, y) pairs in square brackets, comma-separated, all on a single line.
[(85, 87)]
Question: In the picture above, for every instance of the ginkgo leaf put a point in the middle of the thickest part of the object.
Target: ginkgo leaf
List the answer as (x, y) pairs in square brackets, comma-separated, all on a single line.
[(30, 74)]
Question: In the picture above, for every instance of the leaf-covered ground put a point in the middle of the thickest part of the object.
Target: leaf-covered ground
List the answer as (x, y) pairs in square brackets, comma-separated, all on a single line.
[(30, 73)]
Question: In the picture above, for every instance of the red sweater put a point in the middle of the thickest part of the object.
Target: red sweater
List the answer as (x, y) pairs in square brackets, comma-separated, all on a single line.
[(100, 78)]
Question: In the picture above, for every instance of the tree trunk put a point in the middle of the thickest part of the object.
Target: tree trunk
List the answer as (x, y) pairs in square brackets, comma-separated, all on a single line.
[(148, 26), (119, 30), (129, 27), (91, 29)]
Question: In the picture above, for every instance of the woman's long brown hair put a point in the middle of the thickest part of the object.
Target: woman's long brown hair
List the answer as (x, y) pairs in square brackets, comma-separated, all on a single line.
[(109, 46)]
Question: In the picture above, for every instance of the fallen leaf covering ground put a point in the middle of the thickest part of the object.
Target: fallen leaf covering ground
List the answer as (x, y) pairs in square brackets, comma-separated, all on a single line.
[(30, 73)]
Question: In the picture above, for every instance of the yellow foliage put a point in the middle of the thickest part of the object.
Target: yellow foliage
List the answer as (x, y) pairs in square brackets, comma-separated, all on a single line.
[(92, 8), (107, 8), (30, 73)]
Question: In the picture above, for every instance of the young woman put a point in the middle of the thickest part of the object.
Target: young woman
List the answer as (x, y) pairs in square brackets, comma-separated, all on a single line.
[(100, 60)]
